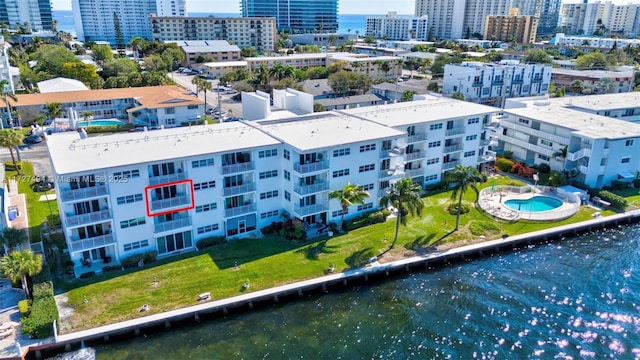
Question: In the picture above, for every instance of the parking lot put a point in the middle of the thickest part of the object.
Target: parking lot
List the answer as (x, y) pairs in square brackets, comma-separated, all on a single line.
[(232, 108)]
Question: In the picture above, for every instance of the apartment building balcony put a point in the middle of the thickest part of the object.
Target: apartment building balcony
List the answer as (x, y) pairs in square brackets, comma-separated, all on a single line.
[(413, 172), (487, 156), (416, 138), (239, 210), (528, 146), (453, 148), (98, 216), (310, 167), (391, 173), (164, 179), (497, 82), (238, 167), (516, 81), (584, 152), (477, 84), (396, 151), (91, 243), (178, 201), (488, 142), (583, 169), (304, 189), (450, 165), (239, 189), (541, 134), (83, 193), (172, 225), (454, 132), (536, 79), (310, 209), (415, 155)]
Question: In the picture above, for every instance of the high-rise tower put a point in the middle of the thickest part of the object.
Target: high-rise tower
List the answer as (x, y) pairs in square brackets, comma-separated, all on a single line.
[(295, 15), (35, 12)]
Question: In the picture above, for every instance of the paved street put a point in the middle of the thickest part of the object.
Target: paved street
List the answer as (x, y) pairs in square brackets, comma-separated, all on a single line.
[(35, 153), (212, 97)]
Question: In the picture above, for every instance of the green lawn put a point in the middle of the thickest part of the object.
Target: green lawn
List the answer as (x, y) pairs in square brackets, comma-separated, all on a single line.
[(176, 281), (37, 211)]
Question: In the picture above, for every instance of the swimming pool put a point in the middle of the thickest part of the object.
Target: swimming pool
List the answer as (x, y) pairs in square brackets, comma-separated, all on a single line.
[(534, 204), (100, 123)]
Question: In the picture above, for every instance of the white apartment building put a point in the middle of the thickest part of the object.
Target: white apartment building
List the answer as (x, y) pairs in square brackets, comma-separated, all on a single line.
[(165, 190), (259, 33), (593, 42), (95, 19), (37, 13), (215, 50), (476, 12), (491, 84), (584, 18), (394, 27), (453, 19), (600, 148)]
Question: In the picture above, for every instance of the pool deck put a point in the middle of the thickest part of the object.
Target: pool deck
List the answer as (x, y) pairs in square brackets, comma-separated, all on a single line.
[(493, 203)]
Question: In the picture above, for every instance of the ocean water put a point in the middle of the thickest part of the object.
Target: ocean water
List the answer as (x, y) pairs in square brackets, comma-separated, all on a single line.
[(355, 23), (574, 299)]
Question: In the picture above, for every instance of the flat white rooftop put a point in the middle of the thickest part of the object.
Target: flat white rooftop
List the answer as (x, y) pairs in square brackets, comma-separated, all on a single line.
[(71, 154), (421, 111), (602, 102), (328, 129)]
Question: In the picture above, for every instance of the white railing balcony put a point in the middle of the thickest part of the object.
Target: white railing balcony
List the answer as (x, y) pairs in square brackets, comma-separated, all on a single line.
[(98, 216), (414, 155), (487, 156), (454, 132), (583, 169), (239, 189), (91, 243), (239, 210), (180, 200), (584, 152), (416, 138), (310, 209), (310, 189), (450, 165), (172, 225), (453, 148), (488, 142), (163, 179), (413, 172), (84, 193), (310, 167), (236, 168)]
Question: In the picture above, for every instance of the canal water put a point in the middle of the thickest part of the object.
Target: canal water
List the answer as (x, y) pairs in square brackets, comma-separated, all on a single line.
[(578, 298)]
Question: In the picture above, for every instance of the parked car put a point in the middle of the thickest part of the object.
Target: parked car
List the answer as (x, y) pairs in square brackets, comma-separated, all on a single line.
[(33, 139)]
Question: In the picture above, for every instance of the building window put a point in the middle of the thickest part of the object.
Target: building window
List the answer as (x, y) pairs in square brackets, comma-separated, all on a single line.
[(469, 153), (267, 153), (628, 143), (369, 147), (368, 187), (471, 137), (433, 161), (268, 214), (365, 206), (268, 174), (207, 228), (366, 168), (625, 160), (543, 157), (431, 177), (169, 111), (384, 184), (546, 142), (473, 121), (523, 121), (287, 196), (269, 194), (192, 107), (129, 199), (135, 245), (133, 222), (204, 185), (202, 163), (338, 213), (437, 126), (121, 175), (339, 173), (287, 175), (341, 152), (435, 144), (286, 154), (206, 207)]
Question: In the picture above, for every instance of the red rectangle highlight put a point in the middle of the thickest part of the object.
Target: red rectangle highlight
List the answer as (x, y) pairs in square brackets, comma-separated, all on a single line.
[(151, 187)]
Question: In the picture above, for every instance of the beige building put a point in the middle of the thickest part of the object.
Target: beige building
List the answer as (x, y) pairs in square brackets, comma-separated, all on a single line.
[(521, 29), (259, 33), (199, 51)]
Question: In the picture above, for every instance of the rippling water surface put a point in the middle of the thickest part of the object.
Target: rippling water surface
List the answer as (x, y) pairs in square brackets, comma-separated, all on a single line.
[(573, 299)]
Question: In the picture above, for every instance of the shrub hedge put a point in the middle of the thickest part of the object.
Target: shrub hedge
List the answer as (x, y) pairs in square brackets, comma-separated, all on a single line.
[(619, 185), (133, 260), (24, 306), (39, 323), (636, 183), (368, 218), (504, 165), (211, 241)]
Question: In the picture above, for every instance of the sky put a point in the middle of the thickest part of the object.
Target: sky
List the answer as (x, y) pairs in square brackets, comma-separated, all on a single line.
[(233, 6)]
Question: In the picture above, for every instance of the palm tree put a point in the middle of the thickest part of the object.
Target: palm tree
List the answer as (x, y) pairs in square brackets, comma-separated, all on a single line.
[(562, 153), (463, 177), (87, 115), (10, 138), (12, 237), (349, 195), (5, 88), (385, 66), (21, 265), (261, 74), (206, 86), (404, 196), (53, 110)]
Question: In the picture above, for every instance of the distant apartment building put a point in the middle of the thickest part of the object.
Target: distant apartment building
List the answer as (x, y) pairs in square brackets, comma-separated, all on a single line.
[(547, 11), (95, 19), (165, 190), (602, 142), (520, 29), (207, 51), (476, 12), (596, 81), (491, 84), (592, 41), (326, 39), (37, 13), (453, 19), (587, 17), (296, 16), (259, 33), (5, 74), (394, 27)]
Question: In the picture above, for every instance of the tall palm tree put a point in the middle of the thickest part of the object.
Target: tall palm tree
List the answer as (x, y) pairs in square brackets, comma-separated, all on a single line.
[(404, 196), (87, 115), (5, 88), (349, 195), (10, 138), (562, 153), (205, 86), (385, 66), (53, 110), (463, 177), (261, 74), (21, 265)]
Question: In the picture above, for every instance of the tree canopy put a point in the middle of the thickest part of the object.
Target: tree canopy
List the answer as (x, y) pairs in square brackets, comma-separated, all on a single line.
[(345, 83)]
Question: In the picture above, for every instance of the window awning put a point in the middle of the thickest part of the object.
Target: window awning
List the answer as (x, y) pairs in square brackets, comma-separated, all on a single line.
[(626, 175)]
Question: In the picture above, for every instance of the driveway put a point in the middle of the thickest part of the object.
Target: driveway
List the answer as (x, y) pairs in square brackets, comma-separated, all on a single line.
[(233, 108), (9, 298), (36, 154)]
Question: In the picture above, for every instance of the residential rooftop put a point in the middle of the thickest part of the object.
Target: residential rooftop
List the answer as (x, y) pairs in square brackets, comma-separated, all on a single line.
[(205, 46), (600, 74)]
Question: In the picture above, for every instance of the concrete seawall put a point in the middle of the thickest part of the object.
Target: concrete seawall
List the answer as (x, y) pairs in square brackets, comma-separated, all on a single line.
[(334, 281)]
